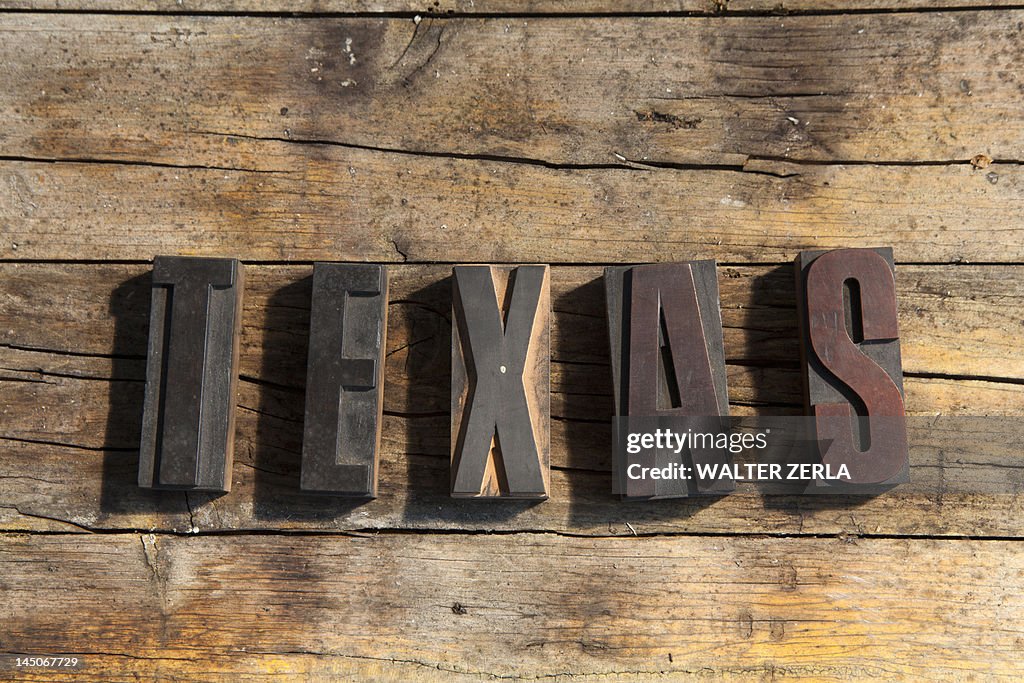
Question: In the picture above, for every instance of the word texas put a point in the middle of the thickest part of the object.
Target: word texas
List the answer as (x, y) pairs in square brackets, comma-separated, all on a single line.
[(667, 359)]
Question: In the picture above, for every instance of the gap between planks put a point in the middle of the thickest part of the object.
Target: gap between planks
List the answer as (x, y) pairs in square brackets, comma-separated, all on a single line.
[(721, 11), (416, 531)]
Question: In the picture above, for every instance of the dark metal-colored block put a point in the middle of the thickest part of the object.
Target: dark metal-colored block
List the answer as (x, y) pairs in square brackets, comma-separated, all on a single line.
[(500, 382), (851, 359), (344, 380), (191, 374), (667, 353)]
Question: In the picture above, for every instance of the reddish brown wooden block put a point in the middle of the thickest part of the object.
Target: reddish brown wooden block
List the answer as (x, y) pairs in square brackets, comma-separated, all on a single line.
[(500, 381), (851, 359), (667, 353)]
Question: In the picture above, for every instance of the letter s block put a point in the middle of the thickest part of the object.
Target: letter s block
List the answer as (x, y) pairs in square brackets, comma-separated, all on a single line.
[(188, 424), (500, 382), (344, 379), (851, 357)]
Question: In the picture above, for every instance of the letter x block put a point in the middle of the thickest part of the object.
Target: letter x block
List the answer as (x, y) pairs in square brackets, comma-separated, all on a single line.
[(668, 357), (500, 382), (344, 379), (191, 374)]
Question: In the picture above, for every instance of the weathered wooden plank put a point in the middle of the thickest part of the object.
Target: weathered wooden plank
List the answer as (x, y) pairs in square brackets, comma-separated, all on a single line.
[(824, 609), (783, 6), (345, 204), (899, 87), (441, 606), (248, 666), (96, 413), (961, 321), (92, 318), (964, 482), (426, 7), (512, 8)]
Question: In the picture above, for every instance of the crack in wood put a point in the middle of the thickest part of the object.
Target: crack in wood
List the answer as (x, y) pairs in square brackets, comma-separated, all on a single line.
[(363, 533), (132, 162), (719, 9)]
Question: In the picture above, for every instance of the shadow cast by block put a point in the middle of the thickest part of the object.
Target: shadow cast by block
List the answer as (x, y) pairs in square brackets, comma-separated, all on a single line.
[(275, 454), (120, 496)]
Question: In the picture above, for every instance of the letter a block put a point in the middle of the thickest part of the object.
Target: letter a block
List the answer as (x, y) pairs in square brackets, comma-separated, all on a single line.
[(853, 377), (500, 382), (344, 379), (668, 357), (191, 374)]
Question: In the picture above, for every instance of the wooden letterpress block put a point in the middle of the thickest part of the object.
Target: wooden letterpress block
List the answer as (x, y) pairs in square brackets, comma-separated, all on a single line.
[(191, 374), (500, 381), (344, 379), (667, 354), (851, 360)]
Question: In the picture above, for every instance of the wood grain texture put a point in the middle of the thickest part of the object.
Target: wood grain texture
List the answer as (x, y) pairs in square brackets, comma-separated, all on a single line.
[(568, 139), (319, 7), (784, 6), (204, 90), (957, 490), (512, 8), (962, 321), (81, 390), (457, 606), (395, 208)]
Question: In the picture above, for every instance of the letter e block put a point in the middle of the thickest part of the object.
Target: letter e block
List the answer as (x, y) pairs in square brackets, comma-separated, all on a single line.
[(344, 379)]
